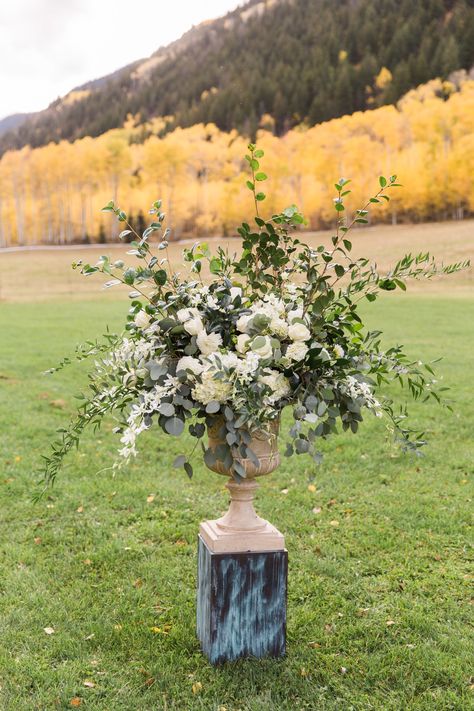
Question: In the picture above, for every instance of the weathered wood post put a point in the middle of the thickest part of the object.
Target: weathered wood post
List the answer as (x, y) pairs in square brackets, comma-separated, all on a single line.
[(242, 582)]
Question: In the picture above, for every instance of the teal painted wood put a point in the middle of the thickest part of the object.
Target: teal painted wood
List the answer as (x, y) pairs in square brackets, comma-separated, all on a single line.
[(241, 604)]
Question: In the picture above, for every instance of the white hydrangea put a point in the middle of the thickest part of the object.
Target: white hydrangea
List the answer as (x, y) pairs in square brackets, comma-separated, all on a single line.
[(296, 351), (211, 388), (278, 384), (208, 342), (279, 327)]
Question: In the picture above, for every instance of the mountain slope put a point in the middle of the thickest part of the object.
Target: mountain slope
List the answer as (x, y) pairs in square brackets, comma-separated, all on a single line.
[(295, 60)]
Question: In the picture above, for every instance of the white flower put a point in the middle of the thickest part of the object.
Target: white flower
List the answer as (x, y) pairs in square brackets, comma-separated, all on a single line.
[(242, 343), (296, 351), (194, 326), (142, 319), (211, 389), (217, 361), (264, 349), (190, 363), (278, 384), (242, 322), (299, 332), (294, 314), (186, 314), (279, 327), (338, 351), (235, 291), (208, 342)]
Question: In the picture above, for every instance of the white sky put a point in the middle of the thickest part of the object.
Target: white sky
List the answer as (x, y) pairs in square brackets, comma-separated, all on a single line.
[(47, 47)]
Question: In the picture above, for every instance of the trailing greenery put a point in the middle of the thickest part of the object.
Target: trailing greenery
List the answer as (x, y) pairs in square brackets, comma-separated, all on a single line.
[(297, 61)]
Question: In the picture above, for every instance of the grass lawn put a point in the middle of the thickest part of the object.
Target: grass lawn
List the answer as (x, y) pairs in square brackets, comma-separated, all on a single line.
[(378, 608)]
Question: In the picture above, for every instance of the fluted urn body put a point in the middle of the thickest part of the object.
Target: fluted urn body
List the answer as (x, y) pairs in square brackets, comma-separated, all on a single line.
[(241, 529)]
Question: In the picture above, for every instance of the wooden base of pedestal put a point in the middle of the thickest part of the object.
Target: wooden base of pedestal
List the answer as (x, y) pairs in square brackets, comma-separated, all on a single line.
[(241, 603)]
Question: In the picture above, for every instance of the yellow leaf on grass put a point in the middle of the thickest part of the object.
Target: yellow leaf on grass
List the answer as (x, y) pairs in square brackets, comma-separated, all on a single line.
[(334, 523), (389, 623), (48, 630), (150, 498), (137, 583), (80, 509), (197, 686), (312, 488), (90, 684), (75, 702)]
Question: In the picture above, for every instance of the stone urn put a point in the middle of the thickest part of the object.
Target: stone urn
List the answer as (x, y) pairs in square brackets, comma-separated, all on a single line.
[(241, 529)]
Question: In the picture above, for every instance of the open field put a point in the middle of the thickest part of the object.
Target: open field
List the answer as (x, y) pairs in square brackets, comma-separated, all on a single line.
[(43, 274), (379, 582)]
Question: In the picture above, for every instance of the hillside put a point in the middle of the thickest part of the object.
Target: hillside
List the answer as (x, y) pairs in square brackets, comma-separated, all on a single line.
[(290, 61)]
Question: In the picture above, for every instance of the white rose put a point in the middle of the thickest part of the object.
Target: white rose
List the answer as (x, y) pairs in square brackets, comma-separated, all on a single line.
[(242, 322), (265, 350), (190, 363), (296, 351), (242, 343), (294, 314), (298, 332), (185, 314), (208, 342), (235, 291), (142, 319), (194, 326)]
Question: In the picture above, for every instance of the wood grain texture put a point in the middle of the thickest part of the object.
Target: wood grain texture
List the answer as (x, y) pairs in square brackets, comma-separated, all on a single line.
[(241, 604)]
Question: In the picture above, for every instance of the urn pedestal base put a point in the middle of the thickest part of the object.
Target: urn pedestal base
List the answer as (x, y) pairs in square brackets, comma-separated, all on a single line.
[(241, 603)]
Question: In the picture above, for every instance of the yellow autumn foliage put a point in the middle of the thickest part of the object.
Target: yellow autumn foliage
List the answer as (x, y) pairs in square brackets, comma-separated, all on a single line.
[(54, 194)]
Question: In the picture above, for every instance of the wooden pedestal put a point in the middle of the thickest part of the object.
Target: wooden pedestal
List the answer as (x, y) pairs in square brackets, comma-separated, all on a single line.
[(241, 603)]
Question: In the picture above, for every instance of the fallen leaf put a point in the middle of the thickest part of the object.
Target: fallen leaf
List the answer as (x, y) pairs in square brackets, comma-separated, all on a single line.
[(87, 561), (118, 627), (80, 509), (197, 687), (334, 523), (8, 481), (314, 645), (303, 672), (312, 488), (150, 681), (75, 702), (180, 542), (60, 404), (18, 458), (150, 498), (37, 540), (159, 630), (331, 502), (328, 628), (91, 636), (389, 623), (90, 684), (48, 630), (317, 510), (284, 491), (137, 583), (343, 670)]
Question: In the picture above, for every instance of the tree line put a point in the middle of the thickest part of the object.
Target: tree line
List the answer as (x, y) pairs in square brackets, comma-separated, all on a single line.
[(53, 194)]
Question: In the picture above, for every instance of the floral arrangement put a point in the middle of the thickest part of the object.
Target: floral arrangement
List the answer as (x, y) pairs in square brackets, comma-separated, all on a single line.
[(276, 324)]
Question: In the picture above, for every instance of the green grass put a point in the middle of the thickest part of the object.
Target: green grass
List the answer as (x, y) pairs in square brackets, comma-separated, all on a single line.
[(102, 566)]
